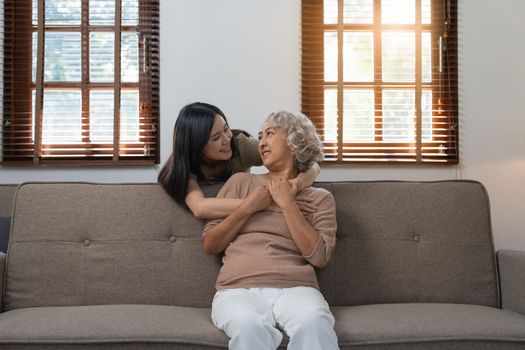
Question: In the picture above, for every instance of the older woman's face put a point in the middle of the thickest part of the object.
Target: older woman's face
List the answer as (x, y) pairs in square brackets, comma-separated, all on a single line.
[(273, 149)]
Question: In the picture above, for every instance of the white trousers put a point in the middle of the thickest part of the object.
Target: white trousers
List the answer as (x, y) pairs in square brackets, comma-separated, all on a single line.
[(251, 318)]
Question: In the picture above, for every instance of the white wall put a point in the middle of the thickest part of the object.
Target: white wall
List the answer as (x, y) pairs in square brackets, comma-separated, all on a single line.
[(492, 119), (244, 56)]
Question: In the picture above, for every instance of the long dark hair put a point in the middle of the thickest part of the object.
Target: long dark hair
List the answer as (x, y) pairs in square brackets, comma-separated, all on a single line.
[(190, 135)]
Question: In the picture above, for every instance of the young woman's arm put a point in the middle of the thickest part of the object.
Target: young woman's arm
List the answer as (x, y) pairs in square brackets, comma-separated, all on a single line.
[(217, 238), (208, 208)]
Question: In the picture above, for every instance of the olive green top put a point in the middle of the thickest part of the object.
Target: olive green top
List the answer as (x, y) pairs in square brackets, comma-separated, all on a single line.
[(245, 154)]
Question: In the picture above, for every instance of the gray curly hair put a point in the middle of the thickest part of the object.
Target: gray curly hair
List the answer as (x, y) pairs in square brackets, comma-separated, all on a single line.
[(302, 137)]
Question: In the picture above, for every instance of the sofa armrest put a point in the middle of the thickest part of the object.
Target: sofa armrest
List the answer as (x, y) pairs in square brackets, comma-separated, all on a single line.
[(511, 265), (3, 256)]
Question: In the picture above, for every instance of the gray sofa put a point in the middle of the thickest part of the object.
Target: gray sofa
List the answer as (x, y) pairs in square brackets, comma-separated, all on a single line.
[(120, 266)]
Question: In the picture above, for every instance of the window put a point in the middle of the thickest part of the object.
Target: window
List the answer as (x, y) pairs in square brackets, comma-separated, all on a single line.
[(81, 80), (379, 79)]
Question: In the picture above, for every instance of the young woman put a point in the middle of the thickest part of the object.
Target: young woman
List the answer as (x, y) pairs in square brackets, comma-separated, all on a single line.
[(206, 151)]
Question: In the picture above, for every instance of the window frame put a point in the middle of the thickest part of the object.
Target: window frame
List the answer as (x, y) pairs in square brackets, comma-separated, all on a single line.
[(313, 86), (19, 87)]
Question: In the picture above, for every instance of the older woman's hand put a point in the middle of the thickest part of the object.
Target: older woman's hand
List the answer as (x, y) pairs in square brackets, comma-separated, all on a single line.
[(281, 192)]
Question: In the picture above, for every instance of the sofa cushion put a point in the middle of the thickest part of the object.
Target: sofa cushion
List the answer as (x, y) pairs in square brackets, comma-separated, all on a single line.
[(92, 244), (403, 242), (111, 324), (386, 327), (415, 326)]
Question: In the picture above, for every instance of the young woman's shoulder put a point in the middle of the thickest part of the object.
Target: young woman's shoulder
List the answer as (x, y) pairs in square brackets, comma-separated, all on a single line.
[(240, 133), (246, 151), (244, 139)]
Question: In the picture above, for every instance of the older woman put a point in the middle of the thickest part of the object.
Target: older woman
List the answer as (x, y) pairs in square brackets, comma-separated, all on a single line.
[(267, 281)]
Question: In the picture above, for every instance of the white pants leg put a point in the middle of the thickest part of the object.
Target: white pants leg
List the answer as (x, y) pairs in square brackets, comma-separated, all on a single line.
[(246, 317), (304, 314)]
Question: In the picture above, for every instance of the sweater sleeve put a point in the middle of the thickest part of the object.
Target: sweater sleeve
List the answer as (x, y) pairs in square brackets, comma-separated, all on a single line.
[(231, 189), (324, 222)]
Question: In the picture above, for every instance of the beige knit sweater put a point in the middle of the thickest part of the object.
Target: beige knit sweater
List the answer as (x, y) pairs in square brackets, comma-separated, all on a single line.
[(264, 254)]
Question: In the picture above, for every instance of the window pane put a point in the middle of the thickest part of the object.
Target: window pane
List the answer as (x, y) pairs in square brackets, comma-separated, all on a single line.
[(101, 57), (398, 11), (59, 12), (427, 57), (130, 58), (426, 107), (330, 56), (101, 110), (101, 12), (330, 11), (61, 121), (330, 115), (35, 12), (129, 116), (358, 55), (63, 60), (398, 115), (358, 115), (101, 118), (399, 61), (34, 48), (358, 11), (426, 12), (130, 12)]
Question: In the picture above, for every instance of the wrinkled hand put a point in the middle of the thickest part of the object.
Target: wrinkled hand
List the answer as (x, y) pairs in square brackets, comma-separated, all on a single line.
[(281, 192), (257, 200)]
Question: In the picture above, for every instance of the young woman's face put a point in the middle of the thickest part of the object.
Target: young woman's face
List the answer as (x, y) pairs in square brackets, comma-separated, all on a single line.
[(218, 146)]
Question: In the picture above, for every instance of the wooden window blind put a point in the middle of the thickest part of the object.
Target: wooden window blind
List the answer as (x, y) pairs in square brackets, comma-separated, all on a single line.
[(379, 79), (81, 82)]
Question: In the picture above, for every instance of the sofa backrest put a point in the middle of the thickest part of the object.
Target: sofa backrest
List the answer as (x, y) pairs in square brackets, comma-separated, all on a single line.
[(86, 244), (404, 242)]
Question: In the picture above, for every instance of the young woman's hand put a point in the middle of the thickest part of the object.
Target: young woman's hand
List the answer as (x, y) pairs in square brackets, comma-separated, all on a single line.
[(281, 192), (295, 185), (305, 206), (304, 179)]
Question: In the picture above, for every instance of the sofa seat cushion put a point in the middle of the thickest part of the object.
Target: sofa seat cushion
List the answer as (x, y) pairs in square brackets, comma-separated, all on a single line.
[(416, 326), (111, 324), (386, 326)]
